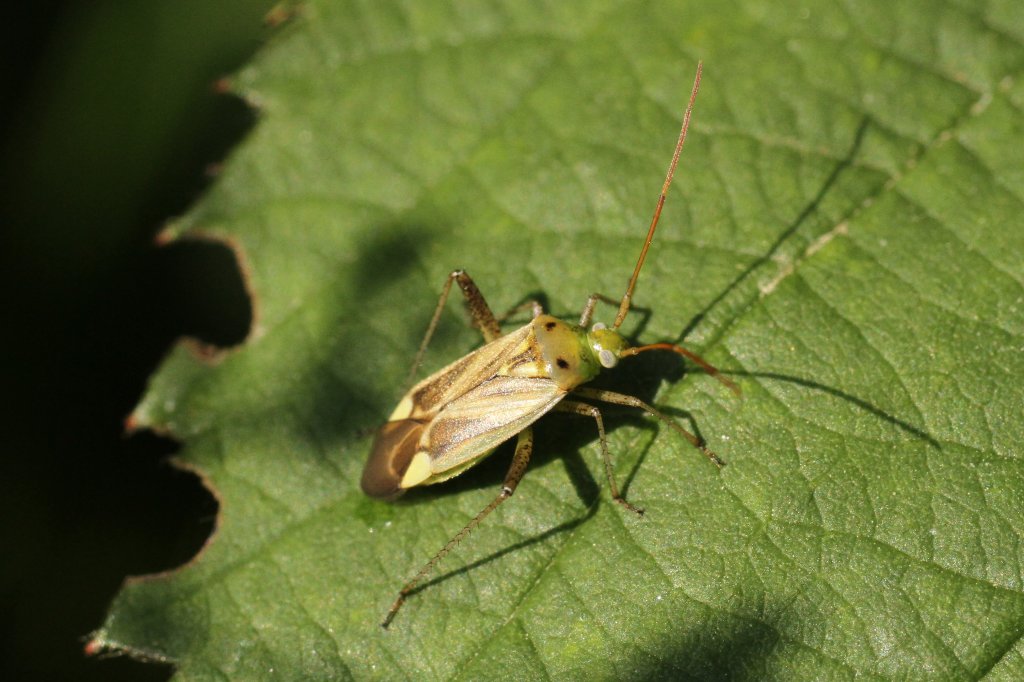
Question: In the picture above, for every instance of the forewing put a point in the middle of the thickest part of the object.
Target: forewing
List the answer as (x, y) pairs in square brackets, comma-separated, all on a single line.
[(485, 417), (446, 385)]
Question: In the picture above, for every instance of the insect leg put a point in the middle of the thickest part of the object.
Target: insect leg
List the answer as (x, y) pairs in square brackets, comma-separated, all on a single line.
[(535, 309), (524, 448), (588, 309), (479, 311), (630, 401), (586, 410)]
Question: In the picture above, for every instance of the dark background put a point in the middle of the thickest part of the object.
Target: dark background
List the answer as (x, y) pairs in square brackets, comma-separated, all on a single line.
[(110, 126)]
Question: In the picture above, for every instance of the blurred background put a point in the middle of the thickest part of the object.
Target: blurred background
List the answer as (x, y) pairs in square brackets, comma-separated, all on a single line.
[(111, 125)]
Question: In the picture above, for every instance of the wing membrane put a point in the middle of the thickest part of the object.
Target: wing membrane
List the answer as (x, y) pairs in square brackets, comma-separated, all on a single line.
[(486, 416), (438, 390)]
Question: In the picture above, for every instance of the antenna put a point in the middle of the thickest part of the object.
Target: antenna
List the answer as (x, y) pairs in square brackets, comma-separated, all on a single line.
[(627, 297), (705, 365)]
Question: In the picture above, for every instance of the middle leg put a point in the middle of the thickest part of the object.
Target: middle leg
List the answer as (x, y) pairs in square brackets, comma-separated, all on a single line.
[(583, 409), (630, 401)]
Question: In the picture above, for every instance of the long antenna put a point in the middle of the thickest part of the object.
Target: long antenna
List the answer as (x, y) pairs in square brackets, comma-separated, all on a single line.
[(627, 297)]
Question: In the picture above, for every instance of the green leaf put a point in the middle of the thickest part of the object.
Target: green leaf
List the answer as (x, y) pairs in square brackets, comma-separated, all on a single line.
[(844, 238)]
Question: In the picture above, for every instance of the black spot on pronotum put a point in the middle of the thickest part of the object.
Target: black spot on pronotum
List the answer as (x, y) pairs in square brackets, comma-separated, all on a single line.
[(562, 362), (549, 326)]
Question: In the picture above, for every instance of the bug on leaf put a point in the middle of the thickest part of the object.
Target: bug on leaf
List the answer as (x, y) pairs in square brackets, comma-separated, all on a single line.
[(454, 418)]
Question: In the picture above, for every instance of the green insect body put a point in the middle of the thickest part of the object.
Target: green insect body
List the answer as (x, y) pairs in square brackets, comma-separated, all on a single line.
[(454, 418)]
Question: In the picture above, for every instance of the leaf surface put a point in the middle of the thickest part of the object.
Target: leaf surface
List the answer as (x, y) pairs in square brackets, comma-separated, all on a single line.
[(844, 238)]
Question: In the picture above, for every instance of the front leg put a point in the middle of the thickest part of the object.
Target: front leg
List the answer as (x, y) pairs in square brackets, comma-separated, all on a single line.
[(630, 401), (480, 313), (588, 309)]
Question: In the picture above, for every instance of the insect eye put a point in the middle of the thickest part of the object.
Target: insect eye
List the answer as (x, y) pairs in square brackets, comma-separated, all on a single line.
[(607, 358), (598, 326)]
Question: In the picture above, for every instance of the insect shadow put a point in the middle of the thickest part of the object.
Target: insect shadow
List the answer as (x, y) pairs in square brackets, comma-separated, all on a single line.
[(390, 252), (339, 398), (740, 645), (747, 273), (801, 218), (863, 404)]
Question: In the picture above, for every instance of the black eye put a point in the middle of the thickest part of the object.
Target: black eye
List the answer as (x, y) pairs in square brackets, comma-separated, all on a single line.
[(562, 362), (549, 326)]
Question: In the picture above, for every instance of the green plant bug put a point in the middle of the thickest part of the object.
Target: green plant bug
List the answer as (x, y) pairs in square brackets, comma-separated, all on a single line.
[(457, 416)]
